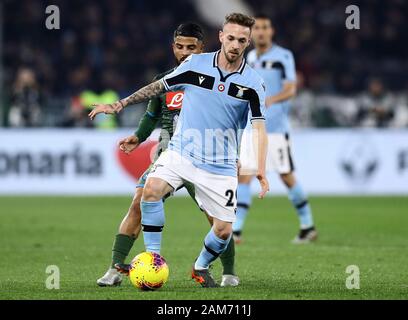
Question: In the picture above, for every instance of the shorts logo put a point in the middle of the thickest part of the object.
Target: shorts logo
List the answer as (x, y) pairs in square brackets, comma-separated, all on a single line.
[(174, 100), (221, 87)]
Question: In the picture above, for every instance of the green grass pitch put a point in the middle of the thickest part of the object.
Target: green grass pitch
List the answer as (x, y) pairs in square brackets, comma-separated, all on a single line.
[(76, 234)]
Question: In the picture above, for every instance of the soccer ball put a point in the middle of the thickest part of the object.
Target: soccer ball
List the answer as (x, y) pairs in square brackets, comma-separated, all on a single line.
[(148, 271)]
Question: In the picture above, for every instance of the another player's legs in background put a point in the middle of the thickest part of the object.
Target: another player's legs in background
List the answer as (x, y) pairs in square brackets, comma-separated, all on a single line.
[(244, 199), (129, 230), (300, 202)]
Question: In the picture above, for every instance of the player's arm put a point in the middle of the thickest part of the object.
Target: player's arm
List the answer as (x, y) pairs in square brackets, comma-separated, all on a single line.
[(289, 81), (288, 92), (150, 91), (260, 138), (146, 126), (172, 81), (149, 119), (260, 141)]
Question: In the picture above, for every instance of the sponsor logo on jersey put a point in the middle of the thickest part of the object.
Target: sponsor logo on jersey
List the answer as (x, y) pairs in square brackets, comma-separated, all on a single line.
[(174, 100)]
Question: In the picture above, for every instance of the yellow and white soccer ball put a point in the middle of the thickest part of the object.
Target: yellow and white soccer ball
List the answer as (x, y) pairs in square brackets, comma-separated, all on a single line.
[(148, 271)]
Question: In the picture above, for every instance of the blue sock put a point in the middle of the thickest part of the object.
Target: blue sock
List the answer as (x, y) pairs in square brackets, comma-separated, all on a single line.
[(299, 201), (213, 247), (152, 224), (244, 201)]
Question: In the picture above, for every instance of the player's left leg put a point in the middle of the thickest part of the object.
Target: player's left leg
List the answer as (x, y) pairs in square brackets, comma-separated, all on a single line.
[(229, 278), (301, 204), (216, 195), (280, 159), (215, 243)]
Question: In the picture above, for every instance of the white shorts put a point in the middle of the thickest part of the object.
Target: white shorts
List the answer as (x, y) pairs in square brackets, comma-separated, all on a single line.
[(216, 194), (278, 159)]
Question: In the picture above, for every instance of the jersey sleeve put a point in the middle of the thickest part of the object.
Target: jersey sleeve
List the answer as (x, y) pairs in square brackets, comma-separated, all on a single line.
[(176, 80), (289, 67), (257, 102), (151, 117), (149, 120)]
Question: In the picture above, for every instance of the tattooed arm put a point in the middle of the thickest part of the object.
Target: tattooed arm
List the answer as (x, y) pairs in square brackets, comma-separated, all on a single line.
[(154, 89)]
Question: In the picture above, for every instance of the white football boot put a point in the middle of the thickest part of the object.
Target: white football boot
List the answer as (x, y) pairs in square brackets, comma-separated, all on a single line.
[(229, 280), (111, 278)]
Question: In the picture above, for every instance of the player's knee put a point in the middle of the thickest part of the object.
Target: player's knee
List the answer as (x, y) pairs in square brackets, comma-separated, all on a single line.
[(288, 179), (152, 192), (223, 230)]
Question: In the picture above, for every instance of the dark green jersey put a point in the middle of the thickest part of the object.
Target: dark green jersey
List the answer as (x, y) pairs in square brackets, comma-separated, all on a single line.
[(166, 108)]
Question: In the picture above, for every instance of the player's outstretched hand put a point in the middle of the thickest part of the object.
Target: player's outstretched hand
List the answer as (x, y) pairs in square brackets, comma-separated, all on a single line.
[(123, 268), (264, 184), (115, 107), (127, 145)]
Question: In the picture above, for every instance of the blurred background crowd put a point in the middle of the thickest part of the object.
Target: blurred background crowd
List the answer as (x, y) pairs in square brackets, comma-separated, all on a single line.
[(107, 49)]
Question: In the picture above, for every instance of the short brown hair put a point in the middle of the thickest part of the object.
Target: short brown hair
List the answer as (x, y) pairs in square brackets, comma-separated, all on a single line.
[(240, 19)]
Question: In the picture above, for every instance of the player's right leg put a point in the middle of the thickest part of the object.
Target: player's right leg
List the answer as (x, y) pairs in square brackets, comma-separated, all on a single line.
[(162, 179), (244, 200), (153, 212)]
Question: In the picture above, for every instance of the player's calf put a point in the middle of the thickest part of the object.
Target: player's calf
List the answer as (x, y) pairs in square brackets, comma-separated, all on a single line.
[(130, 224), (215, 243)]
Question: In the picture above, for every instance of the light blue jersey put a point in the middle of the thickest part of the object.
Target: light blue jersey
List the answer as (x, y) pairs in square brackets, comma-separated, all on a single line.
[(215, 111), (275, 66)]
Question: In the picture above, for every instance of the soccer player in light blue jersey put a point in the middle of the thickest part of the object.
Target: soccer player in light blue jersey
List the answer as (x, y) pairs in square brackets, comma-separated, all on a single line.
[(277, 67), (220, 91)]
